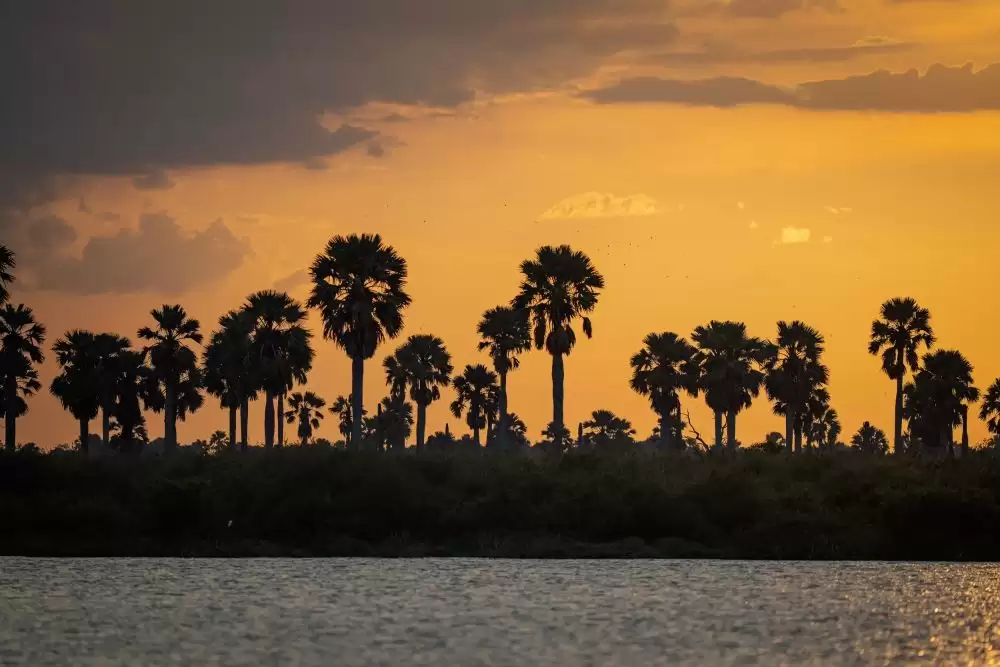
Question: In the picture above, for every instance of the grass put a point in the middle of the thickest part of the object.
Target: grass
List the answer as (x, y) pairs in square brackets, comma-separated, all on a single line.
[(331, 503)]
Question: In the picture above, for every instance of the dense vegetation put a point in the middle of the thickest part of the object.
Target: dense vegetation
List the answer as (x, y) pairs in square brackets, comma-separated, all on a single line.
[(323, 501)]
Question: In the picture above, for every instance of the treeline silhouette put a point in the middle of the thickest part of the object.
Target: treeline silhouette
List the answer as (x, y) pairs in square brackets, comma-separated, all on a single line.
[(263, 352)]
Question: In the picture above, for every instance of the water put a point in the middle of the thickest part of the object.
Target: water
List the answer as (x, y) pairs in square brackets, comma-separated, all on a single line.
[(482, 612)]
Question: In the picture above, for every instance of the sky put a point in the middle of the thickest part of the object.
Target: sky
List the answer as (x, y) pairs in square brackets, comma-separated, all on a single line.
[(755, 160)]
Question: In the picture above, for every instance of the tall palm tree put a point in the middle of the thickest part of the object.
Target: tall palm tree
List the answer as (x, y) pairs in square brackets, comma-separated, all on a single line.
[(870, 440), (78, 384), (557, 287), (427, 367), (731, 371), (937, 399), (359, 289), (21, 340), (281, 350), (825, 429), (230, 370), (174, 367), (472, 390), (109, 349), (132, 384), (505, 333), (816, 406), (898, 335), (666, 366), (794, 373), (7, 264), (989, 411), (307, 410)]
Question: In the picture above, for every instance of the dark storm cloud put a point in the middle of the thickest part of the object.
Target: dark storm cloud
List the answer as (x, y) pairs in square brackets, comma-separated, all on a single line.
[(156, 257), (154, 180), (940, 89), (123, 87)]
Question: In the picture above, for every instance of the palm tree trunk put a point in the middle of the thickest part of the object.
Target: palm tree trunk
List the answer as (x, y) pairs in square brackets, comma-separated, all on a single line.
[(731, 430), (281, 419), (965, 431), (475, 436), (105, 426), (558, 377), (357, 398), (798, 437), (232, 428), (664, 431), (789, 429), (244, 423), (170, 419), (84, 436), (421, 424), (718, 429), (897, 434), (502, 427), (948, 440), (268, 420), (678, 428)]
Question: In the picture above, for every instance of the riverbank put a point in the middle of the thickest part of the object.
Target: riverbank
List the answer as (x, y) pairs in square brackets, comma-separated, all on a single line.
[(328, 503)]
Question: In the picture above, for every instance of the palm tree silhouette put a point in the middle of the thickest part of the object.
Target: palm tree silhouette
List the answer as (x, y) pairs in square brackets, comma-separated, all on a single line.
[(989, 411), (731, 371), (78, 384), (7, 264), (358, 288), (281, 351), (306, 409), (174, 367), (936, 401), (558, 286), (794, 373), (898, 335), (131, 383), (825, 428), (870, 440), (666, 366), (472, 389), (606, 430), (230, 371), (395, 421), (427, 367), (816, 406), (504, 333), (21, 340), (109, 349), (344, 412)]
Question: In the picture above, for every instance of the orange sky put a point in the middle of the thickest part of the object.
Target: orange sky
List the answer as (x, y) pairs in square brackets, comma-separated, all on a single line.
[(756, 213)]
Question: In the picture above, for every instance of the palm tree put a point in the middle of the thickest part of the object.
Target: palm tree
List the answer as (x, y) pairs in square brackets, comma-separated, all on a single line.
[(825, 429), (606, 430), (937, 399), (558, 286), (870, 440), (78, 384), (427, 367), (395, 421), (21, 340), (230, 371), (307, 410), (472, 389), (990, 409), (7, 264), (174, 367), (132, 383), (731, 371), (505, 333), (358, 288), (794, 373), (816, 406), (109, 349), (281, 350), (898, 335), (666, 366), (344, 412)]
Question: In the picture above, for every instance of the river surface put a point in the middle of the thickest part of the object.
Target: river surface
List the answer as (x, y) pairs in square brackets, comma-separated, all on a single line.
[(494, 612)]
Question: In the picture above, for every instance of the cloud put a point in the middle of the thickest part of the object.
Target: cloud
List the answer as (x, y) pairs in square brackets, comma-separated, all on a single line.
[(156, 257), (154, 180), (827, 239), (940, 89), (790, 235), (132, 89), (740, 205), (844, 210), (292, 280), (753, 224), (769, 9), (601, 205), (725, 55)]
